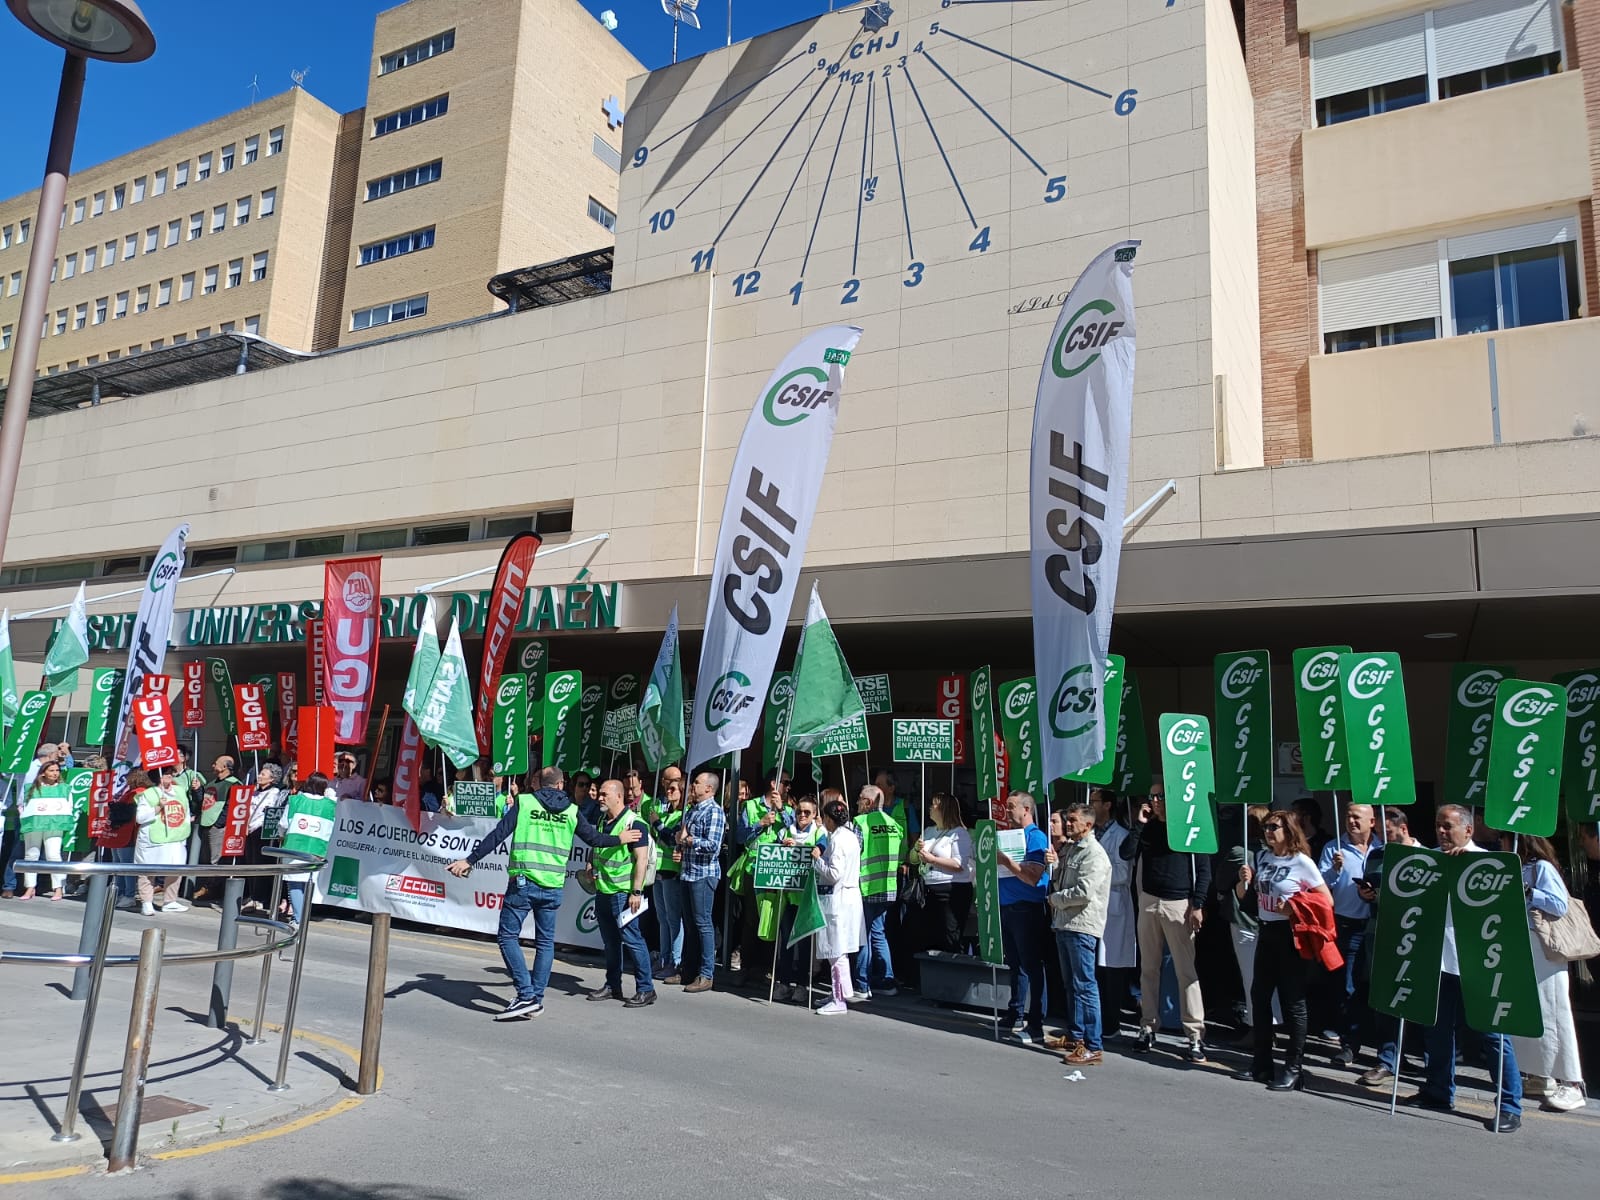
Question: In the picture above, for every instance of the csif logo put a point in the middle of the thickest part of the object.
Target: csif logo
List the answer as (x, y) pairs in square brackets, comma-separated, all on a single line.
[(32, 705), (1242, 674), (1185, 737), (1369, 677), (1478, 689), (1321, 672), (1083, 336), (726, 698), (105, 682), (1074, 697), (1529, 706), (1582, 691), (1412, 876), (562, 688), (168, 567), (1019, 701), (509, 690), (1482, 881), (623, 686), (783, 689), (592, 695), (587, 923), (802, 398), (532, 655)]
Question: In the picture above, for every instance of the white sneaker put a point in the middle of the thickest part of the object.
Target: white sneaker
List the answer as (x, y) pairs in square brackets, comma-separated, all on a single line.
[(175, 906), (832, 1009), (1565, 1098), (147, 909)]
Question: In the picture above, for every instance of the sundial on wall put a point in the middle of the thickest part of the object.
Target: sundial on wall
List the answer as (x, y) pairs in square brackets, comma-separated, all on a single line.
[(874, 148)]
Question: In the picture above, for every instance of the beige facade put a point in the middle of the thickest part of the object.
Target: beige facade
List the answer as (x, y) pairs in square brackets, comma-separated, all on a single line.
[(152, 254)]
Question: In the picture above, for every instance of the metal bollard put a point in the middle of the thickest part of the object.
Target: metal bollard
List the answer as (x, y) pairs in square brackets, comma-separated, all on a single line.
[(136, 1059), (94, 910), (227, 939), (69, 1117), (257, 1030), (372, 1019), (294, 998)]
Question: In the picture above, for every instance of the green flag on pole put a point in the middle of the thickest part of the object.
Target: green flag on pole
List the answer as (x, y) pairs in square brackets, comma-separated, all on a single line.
[(424, 662), (661, 729), (808, 918), (10, 699), (446, 717), (825, 693), (69, 649)]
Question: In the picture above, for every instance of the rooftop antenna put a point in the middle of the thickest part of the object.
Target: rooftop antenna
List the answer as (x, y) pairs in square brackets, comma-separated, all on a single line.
[(255, 89), (299, 77), (682, 13)]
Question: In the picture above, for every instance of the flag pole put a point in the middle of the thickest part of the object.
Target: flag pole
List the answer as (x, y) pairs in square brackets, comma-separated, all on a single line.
[(1500, 1082), (1399, 1057)]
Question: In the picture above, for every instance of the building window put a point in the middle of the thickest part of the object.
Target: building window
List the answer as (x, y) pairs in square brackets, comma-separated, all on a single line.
[(415, 115), (1451, 50), (142, 301), (203, 169), (225, 163), (24, 229), (1396, 334), (5, 337), (139, 189), (402, 181), (209, 287), (15, 285), (80, 315), (152, 239), (269, 202), (275, 141), (186, 287), (173, 228), (110, 256), (382, 539), (71, 267), (235, 272), (1532, 286), (178, 339), (61, 321), (5, 237), (441, 535), (164, 293), (406, 243), (319, 547), (100, 308), (258, 267), (118, 196), (155, 344), (602, 215), (241, 211), (252, 148), (88, 259), (122, 307), (161, 182), (196, 225), (182, 178), (78, 207), (99, 204), (384, 314), (607, 153), (252, 324), (130, 246), (203, 332), (219, 218), (417, 52), (226, 327)]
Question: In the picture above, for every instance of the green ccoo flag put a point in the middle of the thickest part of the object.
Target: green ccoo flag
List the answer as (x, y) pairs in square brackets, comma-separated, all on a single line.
[(825, 693), (10, 698), (808, 918), (446, 717), (661, 729), (69, 649), (424, 662)]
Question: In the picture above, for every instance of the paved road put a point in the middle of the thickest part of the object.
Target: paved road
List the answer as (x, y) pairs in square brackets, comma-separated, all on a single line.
[(719, 1096)]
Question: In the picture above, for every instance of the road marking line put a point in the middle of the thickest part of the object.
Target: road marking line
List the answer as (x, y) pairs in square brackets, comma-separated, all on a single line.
[(43, 1176)]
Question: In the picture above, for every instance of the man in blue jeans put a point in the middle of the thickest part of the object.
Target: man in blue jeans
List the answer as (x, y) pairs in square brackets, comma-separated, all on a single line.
[(1023, 928), (1080, 892), (700, 838), (541, 827), (619, 874)]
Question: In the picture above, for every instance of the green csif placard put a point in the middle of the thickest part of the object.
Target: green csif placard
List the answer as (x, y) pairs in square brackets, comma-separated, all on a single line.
[(222, 691), (1498, 990), (1377, 729), (1019, 726), (1190, 780), (104, 688), (1530, 728), (510, 728), (1580, 775), (1320, 717), (1466, 742), (591, 725), (1078, 703), (986, 891), (775, 723), (981, 699), (1132, 777), (562, 692), (1409, 943), (1243, 687)]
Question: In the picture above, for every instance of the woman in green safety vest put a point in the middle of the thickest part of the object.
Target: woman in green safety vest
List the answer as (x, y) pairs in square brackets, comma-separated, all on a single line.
[(762, 821), (164, 822), (665, 815), (47, 816), (806, 831)]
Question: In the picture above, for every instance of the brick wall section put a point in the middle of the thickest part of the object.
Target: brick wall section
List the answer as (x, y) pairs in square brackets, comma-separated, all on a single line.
[(1582, 30), (341, 213), (1275, 56)]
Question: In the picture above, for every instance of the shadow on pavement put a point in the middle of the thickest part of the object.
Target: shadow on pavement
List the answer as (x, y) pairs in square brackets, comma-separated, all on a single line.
[(462, 993), (322, 1189)]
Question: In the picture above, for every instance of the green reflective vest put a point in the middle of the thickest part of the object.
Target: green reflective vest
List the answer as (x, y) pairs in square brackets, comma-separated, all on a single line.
[(542, 842), (308, 824), (668, 841), (213, 796), (172, 821), (613, 865), (881, 842)]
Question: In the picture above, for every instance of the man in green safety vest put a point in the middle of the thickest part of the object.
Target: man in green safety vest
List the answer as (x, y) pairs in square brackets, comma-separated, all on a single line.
[(212, 797), (882, 846), (619, 873), (761, 821), (541, 827)]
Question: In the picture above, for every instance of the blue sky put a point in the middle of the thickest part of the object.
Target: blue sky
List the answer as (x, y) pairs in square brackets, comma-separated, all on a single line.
[(208, 53)]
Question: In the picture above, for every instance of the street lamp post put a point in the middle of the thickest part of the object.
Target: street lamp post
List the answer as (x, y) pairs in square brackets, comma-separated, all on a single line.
[(111, 30)]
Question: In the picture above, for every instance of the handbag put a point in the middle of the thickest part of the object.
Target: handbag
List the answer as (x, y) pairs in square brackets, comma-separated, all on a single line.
[(915, 892), (1568, 938)]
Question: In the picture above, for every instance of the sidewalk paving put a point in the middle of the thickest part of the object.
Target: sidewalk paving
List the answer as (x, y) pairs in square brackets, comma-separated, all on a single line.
[(203, 1084)]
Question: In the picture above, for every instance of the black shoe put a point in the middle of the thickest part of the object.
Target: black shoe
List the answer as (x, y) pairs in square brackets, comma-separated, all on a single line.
[(1195, 1052), (519, 1010), (640, 1000), (1251, 1075), (1145, 1042), (1290, 1079), (602, 993), (1503, 1122), (1346, 1057), (1431, 1103)]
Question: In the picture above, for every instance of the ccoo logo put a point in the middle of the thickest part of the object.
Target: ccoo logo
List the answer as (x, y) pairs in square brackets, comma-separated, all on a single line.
[(1082, 338)]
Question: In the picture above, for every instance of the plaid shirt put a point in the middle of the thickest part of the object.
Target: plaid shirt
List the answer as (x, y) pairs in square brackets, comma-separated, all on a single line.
[(706, 827)]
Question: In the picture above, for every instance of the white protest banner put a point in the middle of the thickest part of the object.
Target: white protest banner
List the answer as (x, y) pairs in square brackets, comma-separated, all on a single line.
[(1082, 419), (147, 644), (766, 521)]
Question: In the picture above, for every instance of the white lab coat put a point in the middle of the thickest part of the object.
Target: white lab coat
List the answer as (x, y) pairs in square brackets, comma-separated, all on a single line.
[(840, 868), (1119, 946)]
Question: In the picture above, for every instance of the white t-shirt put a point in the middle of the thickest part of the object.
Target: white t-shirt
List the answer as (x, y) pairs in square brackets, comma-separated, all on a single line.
[(948, 843), (1279, 878)]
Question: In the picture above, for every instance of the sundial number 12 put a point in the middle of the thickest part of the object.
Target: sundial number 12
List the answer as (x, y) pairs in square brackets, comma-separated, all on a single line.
[(747, 283)]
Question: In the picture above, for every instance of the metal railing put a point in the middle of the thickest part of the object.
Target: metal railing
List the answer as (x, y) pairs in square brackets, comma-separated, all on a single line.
[(150, 960)]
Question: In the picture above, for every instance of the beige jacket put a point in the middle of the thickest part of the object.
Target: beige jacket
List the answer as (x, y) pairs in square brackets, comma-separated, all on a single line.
[(1080, 888)]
